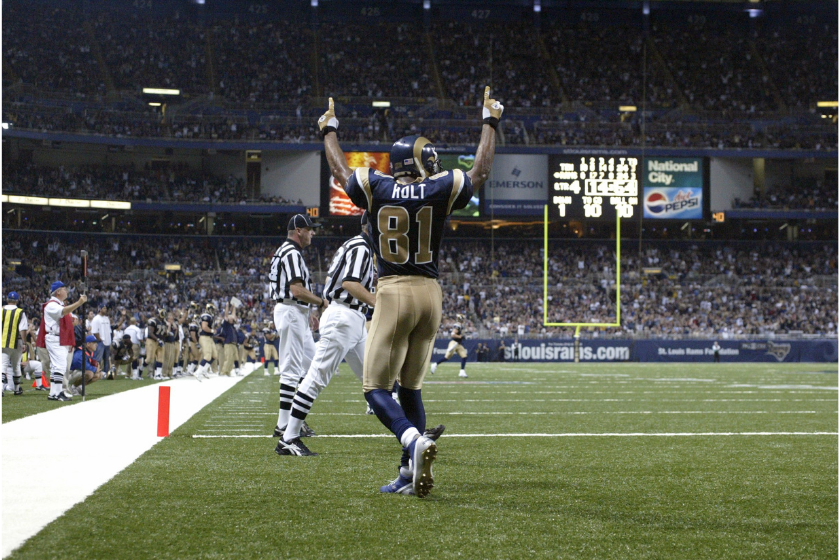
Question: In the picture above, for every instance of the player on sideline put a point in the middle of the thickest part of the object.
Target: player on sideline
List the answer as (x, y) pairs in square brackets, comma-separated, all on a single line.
[(292, 290), (408, 213), (206, 342), (342, 328), (456, 346), (269, 349)]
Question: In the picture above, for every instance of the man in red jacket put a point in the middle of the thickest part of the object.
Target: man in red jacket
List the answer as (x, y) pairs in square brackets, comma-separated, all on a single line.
[(59, 337)]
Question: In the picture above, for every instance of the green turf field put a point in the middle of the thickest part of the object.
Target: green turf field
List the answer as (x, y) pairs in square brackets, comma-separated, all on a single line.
[(531, 466), (32, 401)]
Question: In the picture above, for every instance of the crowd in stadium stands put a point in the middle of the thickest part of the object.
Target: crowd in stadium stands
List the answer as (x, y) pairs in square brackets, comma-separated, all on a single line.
[(717, 70), (712, 71), (49, 47), (181, 183), (360, 61), (609, 67), (715, 290), (805, 194), (802, 61), (247, 57), (178, 183), (159, 52)]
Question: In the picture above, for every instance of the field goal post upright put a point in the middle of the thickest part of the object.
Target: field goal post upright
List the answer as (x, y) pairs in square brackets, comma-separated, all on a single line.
[(617, 285)]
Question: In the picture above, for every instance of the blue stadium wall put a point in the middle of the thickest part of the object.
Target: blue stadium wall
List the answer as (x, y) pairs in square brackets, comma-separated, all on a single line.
[(562, 350)]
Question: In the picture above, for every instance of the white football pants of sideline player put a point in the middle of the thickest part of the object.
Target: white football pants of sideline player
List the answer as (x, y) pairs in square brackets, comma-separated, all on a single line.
[(343, 337), (296, 350)]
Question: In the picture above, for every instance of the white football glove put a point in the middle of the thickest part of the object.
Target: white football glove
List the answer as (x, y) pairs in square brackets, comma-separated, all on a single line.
[(328, 123), (492, 110)]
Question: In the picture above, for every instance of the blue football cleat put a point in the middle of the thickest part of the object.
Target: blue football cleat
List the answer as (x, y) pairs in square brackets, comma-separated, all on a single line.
[(400, 485)]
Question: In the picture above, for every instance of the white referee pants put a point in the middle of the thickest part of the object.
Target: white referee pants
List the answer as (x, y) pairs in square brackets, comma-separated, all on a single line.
[(296, 344), (343, 337)]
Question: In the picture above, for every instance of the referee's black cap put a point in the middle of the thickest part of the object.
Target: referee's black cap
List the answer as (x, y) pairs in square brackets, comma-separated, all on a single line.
[(302, 221)]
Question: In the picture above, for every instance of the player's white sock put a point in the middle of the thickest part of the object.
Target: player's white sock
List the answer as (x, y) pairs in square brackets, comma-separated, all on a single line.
[(38, 382), (283, 417), (292, 429), (408, 436), (434, 367)]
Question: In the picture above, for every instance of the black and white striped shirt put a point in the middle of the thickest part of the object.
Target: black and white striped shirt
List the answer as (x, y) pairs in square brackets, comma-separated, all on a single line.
[(287, 266), (353, 261)]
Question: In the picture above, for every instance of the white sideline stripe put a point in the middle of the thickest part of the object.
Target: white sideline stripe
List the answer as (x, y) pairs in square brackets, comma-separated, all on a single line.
[(614, 434), (578, 413), (42, 441)]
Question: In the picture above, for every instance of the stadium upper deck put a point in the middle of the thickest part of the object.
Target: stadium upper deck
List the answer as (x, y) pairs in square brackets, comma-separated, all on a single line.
[(709, 75)]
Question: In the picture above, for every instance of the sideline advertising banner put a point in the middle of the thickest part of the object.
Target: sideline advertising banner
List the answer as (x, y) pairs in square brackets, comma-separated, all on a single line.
[(647, 350), (517, 186), (673, 188)]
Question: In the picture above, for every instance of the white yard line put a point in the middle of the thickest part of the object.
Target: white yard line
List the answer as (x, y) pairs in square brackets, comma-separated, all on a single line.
[(120, 428), (616, 434)]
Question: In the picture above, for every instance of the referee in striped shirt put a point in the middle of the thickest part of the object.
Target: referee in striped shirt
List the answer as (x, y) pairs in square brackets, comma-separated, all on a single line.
[(290, 287), (343, 334)]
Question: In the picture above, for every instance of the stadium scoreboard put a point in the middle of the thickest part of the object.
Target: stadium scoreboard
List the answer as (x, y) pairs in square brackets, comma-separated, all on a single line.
[(594, 187)]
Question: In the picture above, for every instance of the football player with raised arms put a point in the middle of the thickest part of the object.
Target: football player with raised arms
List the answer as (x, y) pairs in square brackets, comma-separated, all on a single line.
[(408, 212), (456, 346)]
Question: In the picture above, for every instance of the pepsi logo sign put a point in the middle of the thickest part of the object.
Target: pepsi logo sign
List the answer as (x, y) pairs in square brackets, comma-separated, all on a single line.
[(659, 204)]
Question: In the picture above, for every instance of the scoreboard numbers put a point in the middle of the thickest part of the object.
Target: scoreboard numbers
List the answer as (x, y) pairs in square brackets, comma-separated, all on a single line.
[(595, 186)]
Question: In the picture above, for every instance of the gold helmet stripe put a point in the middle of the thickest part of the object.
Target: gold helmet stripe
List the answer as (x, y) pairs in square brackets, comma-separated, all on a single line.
[(419, 144)]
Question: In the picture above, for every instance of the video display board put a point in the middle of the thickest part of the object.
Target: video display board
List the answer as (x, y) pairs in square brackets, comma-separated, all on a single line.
[(339, 204), (594, 187)]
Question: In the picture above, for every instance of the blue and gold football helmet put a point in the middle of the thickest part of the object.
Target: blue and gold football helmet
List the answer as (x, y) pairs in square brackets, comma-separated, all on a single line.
[(414, 156)]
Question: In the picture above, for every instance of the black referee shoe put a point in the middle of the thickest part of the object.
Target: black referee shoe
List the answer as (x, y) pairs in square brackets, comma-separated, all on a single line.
[(306, 431), (295, 447)]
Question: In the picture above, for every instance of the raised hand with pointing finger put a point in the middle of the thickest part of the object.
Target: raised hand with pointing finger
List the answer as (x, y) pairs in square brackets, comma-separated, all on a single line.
[(492, 110), (328, 123)]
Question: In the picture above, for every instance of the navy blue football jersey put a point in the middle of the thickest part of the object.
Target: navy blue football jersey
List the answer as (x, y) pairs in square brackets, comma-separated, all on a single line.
[(408, 219)]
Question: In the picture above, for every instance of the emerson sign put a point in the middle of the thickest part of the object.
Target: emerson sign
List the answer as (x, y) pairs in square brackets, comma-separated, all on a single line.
[(673, 188), (517, 186)]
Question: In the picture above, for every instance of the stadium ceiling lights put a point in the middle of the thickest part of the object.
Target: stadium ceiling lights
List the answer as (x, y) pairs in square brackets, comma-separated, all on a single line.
[(159, 91), (627, 108), (14, 199), (826, 104), (154, 104), (381, 103), (110, 204), (66, 202)]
